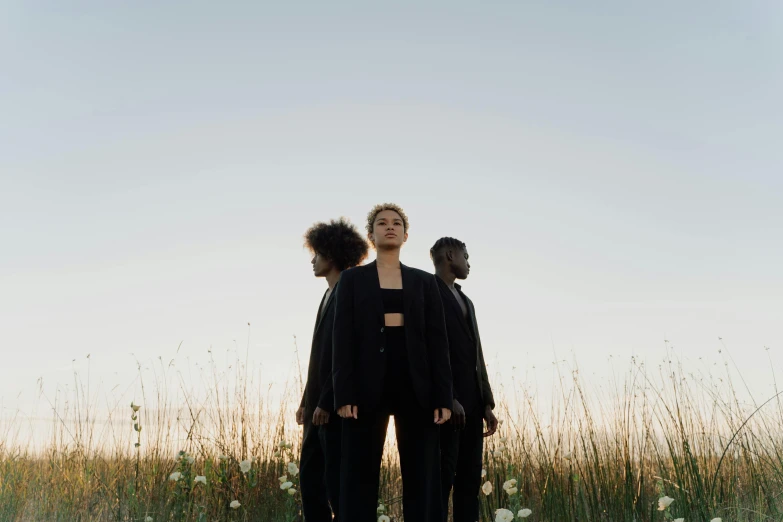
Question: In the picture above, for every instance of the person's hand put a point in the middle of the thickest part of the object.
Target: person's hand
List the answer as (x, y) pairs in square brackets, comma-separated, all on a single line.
[(300, 416), (442, 415), (320, 417), (491, 420), (348, 411), (458, 417)]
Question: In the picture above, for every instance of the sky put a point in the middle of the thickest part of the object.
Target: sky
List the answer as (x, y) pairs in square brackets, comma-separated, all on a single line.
[(614, 168)]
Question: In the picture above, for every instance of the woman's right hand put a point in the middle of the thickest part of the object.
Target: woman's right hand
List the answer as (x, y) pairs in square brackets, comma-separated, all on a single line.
[(348, 411)]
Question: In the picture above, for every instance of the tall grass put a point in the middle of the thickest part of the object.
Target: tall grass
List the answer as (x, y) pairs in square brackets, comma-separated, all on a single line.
[(578, 451)]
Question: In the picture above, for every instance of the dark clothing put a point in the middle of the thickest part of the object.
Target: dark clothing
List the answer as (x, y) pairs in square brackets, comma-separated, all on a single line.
[(393, 301), (358, 358), (318, 389), (461, 450), (400, 371), (417, 441), (319, 463), (461, 453), (469, 371), (319, 469)]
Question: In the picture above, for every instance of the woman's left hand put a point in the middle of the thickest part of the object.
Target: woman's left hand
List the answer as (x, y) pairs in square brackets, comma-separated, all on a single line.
[(442, 415)]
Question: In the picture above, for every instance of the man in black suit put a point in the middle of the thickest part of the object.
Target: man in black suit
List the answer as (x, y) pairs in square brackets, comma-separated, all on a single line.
[(336, 245), (462, 439)]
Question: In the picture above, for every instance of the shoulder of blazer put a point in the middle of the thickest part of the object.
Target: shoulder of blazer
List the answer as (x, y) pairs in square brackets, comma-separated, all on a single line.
[(351, 272), (420, 274)]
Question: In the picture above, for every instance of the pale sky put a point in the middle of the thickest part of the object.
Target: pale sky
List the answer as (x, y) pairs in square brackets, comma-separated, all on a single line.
[(614, 167)]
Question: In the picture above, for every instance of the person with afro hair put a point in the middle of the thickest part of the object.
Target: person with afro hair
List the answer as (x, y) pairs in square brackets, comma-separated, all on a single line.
[(390, 357), (336, 246)]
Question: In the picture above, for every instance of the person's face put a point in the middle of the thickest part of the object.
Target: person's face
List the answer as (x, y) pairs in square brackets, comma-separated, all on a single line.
[(321, 265), (459, 263), (388, 231)]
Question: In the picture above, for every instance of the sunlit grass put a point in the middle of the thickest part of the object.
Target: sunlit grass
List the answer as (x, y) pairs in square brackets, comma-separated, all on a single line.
[(220, 450)]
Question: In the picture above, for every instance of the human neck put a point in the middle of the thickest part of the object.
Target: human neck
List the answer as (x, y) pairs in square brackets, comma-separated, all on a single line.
[(332, 277), (446, 275), (388, 258)]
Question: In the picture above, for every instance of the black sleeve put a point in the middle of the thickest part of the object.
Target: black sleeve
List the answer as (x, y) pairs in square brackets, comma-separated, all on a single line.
[(438, 346), (326, 399), (486, 392), (343, 349), (302, 402)]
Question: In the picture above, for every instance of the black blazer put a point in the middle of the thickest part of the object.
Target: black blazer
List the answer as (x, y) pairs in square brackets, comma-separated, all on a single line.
[(466, 355), (318, 390), (358, 358)]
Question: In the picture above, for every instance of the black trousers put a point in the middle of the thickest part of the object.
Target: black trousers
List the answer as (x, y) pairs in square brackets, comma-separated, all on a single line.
[(418, 442), (319, 469), (461, 454)]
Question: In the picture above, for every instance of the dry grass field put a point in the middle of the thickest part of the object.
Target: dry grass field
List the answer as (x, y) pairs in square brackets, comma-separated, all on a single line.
[(577, 451)]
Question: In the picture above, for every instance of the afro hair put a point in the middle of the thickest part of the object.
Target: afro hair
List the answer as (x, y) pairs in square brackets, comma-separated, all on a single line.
[(338, 241)]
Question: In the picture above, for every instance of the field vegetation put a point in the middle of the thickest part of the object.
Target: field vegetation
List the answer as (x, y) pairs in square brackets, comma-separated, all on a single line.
[(652, 444)]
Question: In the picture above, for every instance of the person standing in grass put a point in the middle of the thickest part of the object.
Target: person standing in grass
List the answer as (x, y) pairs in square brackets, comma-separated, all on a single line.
[(336, 245), (390, 357), (462, 439)]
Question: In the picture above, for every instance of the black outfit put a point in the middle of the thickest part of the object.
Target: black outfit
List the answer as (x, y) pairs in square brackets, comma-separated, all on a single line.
[(400, 371), (461, 450), (319, 463)]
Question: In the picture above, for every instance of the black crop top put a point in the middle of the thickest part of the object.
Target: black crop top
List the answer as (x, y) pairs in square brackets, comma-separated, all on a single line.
[(392, 300)]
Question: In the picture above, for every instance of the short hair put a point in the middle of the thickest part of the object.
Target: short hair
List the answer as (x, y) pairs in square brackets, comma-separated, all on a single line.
[(339, 241), (377, 209), (441, 245)]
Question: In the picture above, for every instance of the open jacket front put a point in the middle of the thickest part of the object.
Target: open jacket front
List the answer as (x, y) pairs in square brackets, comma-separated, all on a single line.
[(358, 348)]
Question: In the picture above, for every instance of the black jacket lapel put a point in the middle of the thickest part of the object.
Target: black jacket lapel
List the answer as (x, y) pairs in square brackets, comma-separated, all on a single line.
[(324, 307), (373, 283), (408, 283)]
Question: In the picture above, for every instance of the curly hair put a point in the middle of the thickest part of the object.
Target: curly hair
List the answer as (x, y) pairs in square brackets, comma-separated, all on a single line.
[(377, 209), (440, 247), (338, 241)]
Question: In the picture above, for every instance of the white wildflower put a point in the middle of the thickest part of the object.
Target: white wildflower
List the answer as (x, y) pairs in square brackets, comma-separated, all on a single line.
[(664, 502), (511, 491), (503, 439), (486, 488), (679, 520), (292, 491), (148, 519), (503, 515), (293, 469), (283, 478), (222, 457), (175, 476), (191, 460), (384, 518), (234, 504), (286, 485), (716, 519), (509, 483), (244, 466), (200, 478), (497, 454), (381, 509), (483, 473), (524, 513)]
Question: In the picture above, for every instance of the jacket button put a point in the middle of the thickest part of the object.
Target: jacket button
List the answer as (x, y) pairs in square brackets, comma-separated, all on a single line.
[(381, 329), (381, 349)]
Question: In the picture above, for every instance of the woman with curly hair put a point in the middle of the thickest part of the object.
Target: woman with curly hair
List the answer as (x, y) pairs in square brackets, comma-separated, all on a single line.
[(336, 245), (390, 357)]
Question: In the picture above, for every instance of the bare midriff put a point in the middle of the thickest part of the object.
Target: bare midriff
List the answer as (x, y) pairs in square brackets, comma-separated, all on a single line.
[(394, 319)]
